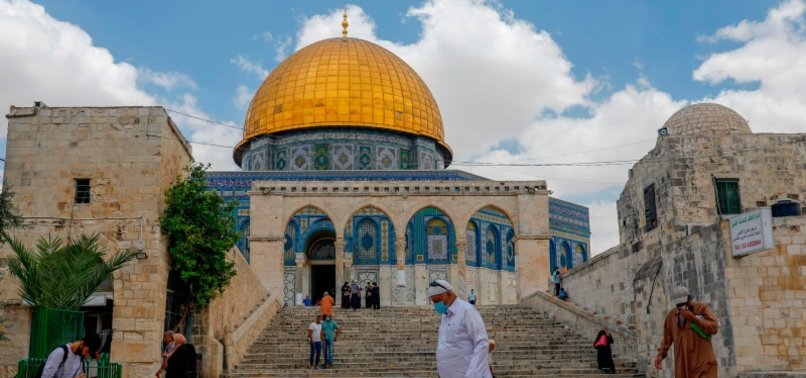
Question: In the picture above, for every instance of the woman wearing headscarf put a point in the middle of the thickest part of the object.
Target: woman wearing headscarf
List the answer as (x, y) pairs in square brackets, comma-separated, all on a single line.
[(604, 352)]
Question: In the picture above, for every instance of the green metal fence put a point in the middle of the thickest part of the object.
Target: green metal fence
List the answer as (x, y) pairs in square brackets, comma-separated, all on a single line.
[(102, 368), (52, 327)]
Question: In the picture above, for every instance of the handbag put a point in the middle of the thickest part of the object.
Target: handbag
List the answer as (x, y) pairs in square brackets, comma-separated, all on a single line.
[(601, 342)]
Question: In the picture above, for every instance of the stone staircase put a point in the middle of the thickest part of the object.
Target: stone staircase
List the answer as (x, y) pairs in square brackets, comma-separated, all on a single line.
[(401, 342)]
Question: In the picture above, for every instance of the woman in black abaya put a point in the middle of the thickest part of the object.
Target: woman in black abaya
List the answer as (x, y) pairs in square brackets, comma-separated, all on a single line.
[(602, 344)]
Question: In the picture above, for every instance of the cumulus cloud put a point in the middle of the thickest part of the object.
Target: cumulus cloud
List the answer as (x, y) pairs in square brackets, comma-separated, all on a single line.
[(42, 58), (773, 55), (495, 78), (280, 44)]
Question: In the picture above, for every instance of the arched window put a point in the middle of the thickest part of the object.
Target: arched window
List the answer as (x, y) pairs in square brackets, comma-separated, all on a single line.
[(579, 255), (471, 240), (437, 232), (243, 243)]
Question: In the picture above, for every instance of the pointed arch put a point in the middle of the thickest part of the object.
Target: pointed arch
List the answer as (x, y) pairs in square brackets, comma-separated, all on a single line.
[(430, 237), (370, 236), (494, 239)]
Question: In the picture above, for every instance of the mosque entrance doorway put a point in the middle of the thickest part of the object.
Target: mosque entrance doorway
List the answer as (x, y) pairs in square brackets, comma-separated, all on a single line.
[(322, 257)]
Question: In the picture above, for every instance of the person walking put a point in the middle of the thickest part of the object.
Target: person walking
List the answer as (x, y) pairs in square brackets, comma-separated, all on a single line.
[(355, 295), (182, 362), (168, 340), (556, 280), (345, 295), (67, 361), (326, 305), (331, 332), (315, 339), (472, 297), (462, 346), (689, 326), (604, 354)]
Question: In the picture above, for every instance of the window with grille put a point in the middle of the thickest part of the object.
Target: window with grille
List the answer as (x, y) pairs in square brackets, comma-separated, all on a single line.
[(727, 196), (82, 191), (650, 211)]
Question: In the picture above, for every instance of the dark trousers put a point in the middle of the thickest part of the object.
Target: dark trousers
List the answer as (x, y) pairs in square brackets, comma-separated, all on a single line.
[(557, 290), (316, 350)]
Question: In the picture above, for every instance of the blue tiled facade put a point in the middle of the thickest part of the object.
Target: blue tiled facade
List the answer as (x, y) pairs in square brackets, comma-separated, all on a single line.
[(569, 225), (339, 149)]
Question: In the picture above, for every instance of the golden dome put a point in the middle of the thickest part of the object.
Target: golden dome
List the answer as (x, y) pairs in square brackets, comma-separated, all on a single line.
[(343, 82)]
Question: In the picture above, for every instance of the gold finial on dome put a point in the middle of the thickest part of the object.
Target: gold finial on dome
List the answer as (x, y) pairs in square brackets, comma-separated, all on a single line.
[(344, 25)]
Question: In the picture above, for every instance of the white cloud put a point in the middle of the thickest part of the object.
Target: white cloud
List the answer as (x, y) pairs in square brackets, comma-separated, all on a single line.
[(243, 97), (493, 77), (166, 80), (773, 56), (603, 214), (42, 58), (216, 139), (280, 44), (249, 66)]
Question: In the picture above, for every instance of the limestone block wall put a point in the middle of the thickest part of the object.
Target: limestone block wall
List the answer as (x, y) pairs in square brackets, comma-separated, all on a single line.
[(768, 301), (130, 155), (228, 311), (769, 168), (759, 299)]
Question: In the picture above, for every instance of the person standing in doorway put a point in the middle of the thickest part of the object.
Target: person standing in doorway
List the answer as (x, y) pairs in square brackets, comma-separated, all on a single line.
[(331, 332), (472, 297), (345, 295), (689, 326), (315, 340), (462, 347)]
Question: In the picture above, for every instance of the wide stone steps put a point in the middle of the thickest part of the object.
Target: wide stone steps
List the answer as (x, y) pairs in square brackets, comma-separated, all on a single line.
[(401, 342)]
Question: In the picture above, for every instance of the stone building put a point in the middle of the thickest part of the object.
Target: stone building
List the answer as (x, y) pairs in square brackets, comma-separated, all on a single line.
[(708, 166), (344, 177)]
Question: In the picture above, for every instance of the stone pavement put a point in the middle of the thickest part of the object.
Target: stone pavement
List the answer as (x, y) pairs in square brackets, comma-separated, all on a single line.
[(401, 341)]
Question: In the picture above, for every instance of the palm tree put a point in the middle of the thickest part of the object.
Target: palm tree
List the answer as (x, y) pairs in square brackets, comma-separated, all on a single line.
[(62, 276)]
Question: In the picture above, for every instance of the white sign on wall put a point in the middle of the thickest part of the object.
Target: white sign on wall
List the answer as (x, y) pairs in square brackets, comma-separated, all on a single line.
[(751, 232)]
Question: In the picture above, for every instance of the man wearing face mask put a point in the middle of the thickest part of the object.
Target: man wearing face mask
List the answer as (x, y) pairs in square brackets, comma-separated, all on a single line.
[(463, 345), (67, 360), (689, 326)]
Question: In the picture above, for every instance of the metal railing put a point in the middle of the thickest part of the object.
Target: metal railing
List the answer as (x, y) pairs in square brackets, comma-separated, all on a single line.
[(102, 368)]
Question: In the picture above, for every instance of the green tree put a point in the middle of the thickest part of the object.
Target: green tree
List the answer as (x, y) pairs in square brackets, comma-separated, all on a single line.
[(8, 219), (201, 229), (62, 276)]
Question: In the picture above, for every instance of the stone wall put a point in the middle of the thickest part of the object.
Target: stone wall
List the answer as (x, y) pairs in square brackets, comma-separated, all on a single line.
[(130, 155), (241, 298), (759, 299), (768, 298)]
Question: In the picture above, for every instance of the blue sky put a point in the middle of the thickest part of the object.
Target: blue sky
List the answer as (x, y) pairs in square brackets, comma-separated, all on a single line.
[(517, 81)]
